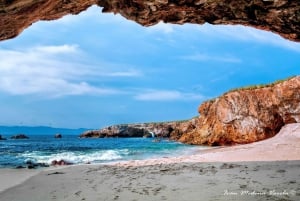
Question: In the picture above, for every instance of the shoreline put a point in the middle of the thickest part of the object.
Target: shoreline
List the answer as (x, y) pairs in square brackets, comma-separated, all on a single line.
[(285, 146), (274, 161)]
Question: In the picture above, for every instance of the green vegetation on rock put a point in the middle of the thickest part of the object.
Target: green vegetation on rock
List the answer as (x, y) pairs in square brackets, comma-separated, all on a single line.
[(259, 86)]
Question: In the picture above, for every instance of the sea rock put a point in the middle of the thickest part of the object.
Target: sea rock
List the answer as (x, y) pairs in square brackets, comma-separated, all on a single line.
[(278, 16), (1, 138), (60, 162), (19, 136), (124, 130), (20, 167), (58, 135), (33, 165), (36, 165), (246, 115)]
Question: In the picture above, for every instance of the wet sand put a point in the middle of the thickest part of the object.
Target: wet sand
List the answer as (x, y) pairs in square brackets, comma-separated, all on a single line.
[(266, 170)]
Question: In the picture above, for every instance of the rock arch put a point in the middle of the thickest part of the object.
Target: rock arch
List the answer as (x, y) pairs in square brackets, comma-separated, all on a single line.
[(278, 16)]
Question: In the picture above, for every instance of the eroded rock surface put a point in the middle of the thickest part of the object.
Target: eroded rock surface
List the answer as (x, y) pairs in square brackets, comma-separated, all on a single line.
[(237, 117), (279, 16), (172, 130), (247, 115)]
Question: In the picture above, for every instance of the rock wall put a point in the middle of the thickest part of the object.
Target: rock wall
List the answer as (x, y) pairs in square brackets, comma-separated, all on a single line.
[(172, 130), (247, 115), (17, 15), (279, 16), (237, 117)]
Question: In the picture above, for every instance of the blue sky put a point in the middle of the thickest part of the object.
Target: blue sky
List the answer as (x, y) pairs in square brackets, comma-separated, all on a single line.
[(94, 69)]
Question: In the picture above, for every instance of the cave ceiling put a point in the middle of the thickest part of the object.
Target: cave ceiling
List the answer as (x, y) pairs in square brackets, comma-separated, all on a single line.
[(278, 16)]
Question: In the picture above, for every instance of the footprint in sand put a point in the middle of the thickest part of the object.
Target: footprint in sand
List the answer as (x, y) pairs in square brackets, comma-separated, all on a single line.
[(229, 166), (53, 173), (94, 187), (256, 182), (211, 183), (281, 171), (53, 196), (156, 191), (211, 169), (78, 193), (256, 168)]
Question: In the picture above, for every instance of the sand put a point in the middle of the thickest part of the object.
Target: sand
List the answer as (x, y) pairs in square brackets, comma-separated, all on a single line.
[(266, 170), (14, 177)]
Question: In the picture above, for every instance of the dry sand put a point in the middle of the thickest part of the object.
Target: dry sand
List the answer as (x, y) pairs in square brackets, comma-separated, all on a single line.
[(266, 170), (14, 177)]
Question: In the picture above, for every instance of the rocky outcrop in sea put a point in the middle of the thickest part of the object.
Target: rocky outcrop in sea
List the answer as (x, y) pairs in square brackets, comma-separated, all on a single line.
[(58, 135), (19, 136), (2, 138), (172, 130)]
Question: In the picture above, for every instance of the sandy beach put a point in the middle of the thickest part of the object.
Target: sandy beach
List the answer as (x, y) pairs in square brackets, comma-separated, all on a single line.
[(265, 170)]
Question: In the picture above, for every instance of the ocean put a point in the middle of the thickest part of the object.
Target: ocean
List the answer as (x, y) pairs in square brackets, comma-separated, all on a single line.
[(43, 149)]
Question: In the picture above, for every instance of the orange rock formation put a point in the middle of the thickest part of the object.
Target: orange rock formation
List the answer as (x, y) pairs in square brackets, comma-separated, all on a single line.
[(247, 115), (237, 117)]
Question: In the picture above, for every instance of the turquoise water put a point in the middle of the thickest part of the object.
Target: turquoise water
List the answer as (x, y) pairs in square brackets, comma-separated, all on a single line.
[(45, 149)]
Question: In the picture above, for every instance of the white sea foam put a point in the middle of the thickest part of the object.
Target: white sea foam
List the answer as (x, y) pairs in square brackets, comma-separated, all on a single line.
[(76, 157)]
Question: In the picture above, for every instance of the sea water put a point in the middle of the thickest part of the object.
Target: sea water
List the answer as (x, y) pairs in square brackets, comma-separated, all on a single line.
[(70, 148)]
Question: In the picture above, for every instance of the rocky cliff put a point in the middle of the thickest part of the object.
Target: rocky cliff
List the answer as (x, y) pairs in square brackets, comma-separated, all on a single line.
[(172, 130), (240, 116), (279, 16), (247, 115)]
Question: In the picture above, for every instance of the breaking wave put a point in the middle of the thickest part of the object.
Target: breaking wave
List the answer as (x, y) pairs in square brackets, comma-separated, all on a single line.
[(43, 149), (75, 157)]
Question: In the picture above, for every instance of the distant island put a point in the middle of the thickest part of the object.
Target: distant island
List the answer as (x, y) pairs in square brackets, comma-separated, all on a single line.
[(39, 130)]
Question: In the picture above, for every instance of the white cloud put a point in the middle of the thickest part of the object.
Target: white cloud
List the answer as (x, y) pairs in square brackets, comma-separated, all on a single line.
[(62, 49), (166, 95), (54, 71), (127, 73), (50, 87), (205, 57)]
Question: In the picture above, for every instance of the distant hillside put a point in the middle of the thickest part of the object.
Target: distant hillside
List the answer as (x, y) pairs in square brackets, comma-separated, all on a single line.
[(39, 130)]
